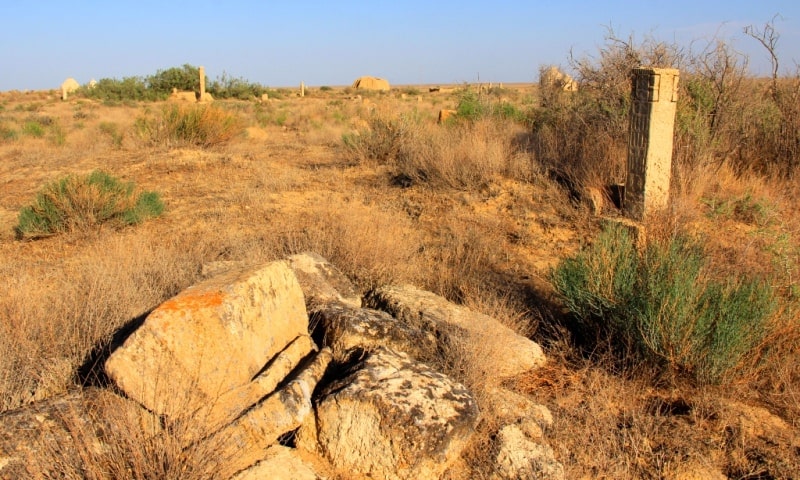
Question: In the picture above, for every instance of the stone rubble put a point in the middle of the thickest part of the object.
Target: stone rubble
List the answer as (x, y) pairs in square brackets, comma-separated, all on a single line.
[(282, 373)]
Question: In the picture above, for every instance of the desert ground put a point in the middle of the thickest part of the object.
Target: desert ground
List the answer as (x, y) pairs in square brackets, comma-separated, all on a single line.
[(484, 228)]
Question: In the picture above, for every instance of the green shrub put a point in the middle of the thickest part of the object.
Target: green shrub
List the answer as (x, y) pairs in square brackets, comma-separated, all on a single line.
[(7, 134), (471, 106), (33, 128), (662, 306), (510, 111), (185, 78), (77, 203), (230, 87), (112, 90), (269, 114), (745, 209), (387, 140), (199, 125)]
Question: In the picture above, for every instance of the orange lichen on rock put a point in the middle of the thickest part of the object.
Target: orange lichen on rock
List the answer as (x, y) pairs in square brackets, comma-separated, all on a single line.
[(194, 301)]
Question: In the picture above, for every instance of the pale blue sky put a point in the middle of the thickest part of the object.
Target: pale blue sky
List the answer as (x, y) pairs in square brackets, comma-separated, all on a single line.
[(332, 43)]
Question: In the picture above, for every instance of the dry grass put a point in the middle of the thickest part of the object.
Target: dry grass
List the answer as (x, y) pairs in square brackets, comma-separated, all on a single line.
[(607, 426), (480, 222)]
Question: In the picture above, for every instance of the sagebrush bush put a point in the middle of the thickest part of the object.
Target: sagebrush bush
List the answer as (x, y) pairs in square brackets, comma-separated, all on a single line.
[(238, 88), (198, 125), (85, 202), (473, 106), (7, 134), (33, 128), (662, 305)]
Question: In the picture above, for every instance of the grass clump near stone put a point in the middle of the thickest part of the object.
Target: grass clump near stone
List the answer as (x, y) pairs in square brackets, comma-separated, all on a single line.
[(662, 306), (79, 203)]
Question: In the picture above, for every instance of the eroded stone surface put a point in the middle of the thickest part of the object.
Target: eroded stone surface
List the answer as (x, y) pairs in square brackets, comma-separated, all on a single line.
[(212, 416), (430, 311), (394, 418), (210, 339), (72, 428), (345, 328), (322, 283), (652, 119), (279, 462), (520, 458), (512, 408), (244, 441)]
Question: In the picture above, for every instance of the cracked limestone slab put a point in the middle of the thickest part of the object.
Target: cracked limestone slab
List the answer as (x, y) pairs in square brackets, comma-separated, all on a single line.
[(210, 339)]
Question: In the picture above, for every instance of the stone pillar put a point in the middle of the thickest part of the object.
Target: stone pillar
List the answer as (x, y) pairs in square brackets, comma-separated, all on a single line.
[(653, 100), (302, 89), (202, 84)]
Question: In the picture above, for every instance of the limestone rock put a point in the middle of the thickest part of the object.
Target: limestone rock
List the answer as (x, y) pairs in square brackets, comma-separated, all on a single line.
[(210, 339), (519, 458), (243, 442), (177, 96), (230, 404), (513, 408), (280, 462), (371, 83), (48, 438), (344, 329), (418, 307), (552, 77), (322, 283), (393, 418)]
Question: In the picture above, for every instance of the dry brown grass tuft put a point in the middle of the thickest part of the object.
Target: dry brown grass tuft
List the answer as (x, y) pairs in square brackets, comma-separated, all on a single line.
[(462, 155), (620, 427), (199, 125), (56, 311), (107, 437)]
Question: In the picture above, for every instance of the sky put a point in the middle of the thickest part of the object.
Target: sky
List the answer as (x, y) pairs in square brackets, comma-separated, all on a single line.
[(280, 44)]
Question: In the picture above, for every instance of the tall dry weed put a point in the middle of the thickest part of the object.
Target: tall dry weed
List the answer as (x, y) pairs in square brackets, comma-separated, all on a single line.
[(54, 314), (370, 246), (107, 437), (460, 155), (181, 125)]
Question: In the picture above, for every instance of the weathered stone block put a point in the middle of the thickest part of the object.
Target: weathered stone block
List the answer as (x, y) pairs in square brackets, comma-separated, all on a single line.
[(322, 283), (519, 458), (280, 462), (345, 328), (652, 120), (418, 307), (210, 339), (49, 438), (243, 442), (394, 418)]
